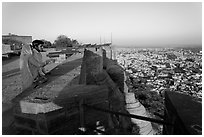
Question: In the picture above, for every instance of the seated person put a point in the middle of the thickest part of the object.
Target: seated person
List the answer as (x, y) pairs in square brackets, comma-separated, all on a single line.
[(37, 46)]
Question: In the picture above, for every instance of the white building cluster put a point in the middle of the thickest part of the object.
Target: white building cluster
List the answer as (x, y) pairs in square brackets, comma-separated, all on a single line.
[(158, 69)]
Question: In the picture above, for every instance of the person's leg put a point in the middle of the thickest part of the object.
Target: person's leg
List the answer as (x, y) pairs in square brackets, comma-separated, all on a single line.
[(42, 72), (40, 78)]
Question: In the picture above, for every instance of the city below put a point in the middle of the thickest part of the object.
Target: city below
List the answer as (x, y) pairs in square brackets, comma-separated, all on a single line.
[(178, 69)]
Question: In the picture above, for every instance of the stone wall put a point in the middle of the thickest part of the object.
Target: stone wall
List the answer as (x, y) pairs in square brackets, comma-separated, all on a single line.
[(100, 69), (24, 39), (102, 83), (184, 112)]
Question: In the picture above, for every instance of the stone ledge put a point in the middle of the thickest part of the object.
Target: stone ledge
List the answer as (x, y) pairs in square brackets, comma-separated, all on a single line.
[(184, 112)]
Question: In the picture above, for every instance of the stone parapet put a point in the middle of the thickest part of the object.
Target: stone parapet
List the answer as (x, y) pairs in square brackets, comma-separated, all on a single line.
[(184, 112), (100, 81)]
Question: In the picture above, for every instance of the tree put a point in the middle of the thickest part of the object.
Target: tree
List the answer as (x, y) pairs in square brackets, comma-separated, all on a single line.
[(75, 43), (47, 44), (62, 41)]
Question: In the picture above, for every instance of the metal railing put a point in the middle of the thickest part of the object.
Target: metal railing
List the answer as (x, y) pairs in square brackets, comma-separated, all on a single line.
[(127, 115), (82, 107)]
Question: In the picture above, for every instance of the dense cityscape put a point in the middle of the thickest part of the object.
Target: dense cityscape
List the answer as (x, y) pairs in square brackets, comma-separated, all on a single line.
[(153, 70), (107, 68)]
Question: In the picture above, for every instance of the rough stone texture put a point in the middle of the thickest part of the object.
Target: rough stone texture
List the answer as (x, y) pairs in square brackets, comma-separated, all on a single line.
[(36, 108), (125, 88), (184, 112), (61, 86), (69, 99), (82, 78), (104, 58), (110, 86), (108, 51), (115, 95), (116, 73), (114, 53), (91, 66), (51, 90), (55, 122), (116, 99), (91, 94), (37, 100), (41, 100)]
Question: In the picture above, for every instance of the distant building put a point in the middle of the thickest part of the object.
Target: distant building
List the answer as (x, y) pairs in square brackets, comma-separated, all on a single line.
[(23, 39)]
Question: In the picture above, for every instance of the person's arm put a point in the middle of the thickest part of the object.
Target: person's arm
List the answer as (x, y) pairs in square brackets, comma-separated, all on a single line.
[(36, 63), (48, 61)]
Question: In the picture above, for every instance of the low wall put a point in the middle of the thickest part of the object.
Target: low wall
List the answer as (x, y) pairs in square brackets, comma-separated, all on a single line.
[(108, 72), (184, 112), (102, 83)]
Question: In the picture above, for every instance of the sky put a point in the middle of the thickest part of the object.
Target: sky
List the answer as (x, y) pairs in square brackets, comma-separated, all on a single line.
[(131, 24)]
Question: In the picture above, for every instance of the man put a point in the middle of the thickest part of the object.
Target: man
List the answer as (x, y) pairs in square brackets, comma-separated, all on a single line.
[(37, 46)]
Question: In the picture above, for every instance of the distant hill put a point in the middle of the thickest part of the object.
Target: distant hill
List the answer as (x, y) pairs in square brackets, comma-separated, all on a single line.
[(194, 47)]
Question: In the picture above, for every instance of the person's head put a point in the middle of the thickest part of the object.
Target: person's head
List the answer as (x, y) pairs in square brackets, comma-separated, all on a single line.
[(38, 45)]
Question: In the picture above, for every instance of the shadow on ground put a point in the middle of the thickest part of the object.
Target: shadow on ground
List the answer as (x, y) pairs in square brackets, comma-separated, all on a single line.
[(54, 74), (10, 59), (7, 109)]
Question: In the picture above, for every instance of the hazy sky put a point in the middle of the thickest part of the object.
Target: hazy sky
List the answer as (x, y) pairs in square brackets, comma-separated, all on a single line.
[(131, 24)]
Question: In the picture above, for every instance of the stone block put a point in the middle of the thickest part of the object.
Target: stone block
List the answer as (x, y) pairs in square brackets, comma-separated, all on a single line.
[(91, 66), (116, 73), (185, 112), (49, 123)]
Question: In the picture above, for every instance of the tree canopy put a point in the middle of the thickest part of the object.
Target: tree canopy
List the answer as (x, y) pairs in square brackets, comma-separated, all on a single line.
[(47, 44), (63, 41)]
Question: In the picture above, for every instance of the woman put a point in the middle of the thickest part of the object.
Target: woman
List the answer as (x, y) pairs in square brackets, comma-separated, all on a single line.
[(28, 66)]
